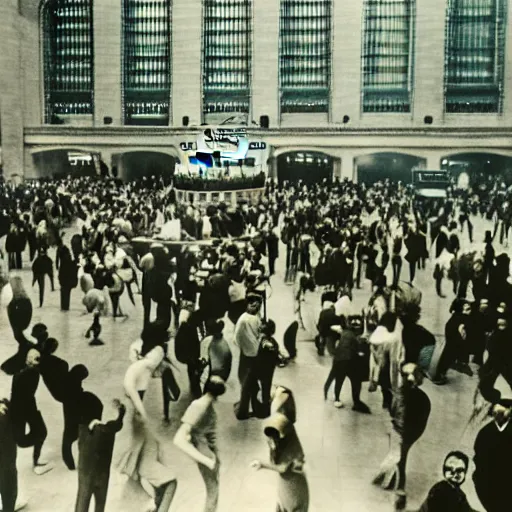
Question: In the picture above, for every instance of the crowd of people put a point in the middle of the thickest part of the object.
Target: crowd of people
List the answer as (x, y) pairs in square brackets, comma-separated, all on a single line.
[(203, 266)]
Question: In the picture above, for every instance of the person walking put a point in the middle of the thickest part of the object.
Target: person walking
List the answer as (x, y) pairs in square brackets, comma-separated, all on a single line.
[(345, 357), (247, 338), (140, 462), (286, 454), (267, 360), (68, 277), (493, 448), (8, 455), (410, 411), (215, 351), (24, 411), (95, 447), (197, 438), (42, 267)]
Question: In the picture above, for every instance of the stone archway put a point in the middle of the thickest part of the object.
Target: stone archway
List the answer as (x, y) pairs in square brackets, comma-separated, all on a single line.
[(478, 167), (306, 165), (383, 165), (58, 162), (132, 165)]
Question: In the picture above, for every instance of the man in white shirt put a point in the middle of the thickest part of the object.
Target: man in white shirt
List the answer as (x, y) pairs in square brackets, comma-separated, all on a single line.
[(247, 338)]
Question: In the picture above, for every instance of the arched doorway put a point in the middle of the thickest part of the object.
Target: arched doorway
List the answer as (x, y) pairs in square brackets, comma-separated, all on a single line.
[(308, 166), (479, 169), (391, 166), (137, 164), (57, 163)]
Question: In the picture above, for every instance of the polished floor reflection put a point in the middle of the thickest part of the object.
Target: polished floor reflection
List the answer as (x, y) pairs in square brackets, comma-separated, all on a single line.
[(343, 448)]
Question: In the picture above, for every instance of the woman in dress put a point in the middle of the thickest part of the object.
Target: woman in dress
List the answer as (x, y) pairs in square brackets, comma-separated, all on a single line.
[(141, 462), (286, 454)]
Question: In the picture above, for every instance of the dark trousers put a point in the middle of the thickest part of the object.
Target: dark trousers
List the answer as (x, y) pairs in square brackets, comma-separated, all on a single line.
[(402, 466), (32, 248), (359, 272), (40, 283), (89, 486), (194, 379), (412, 270), (170, 390), (465, 219), (114, 297), (65, 298), (264, 379), (163, 313), (396, 263), (70, 434), (37, 431), (339, 371), (146, 304), (8, 487), (12, 260), (272, 266), (248, 377)]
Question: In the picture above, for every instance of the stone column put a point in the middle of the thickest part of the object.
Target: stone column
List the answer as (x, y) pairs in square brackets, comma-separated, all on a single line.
[(186, 61), (265, 62), (346, 60), (429, 61), (507, 85), (338, 169), (348, 167), (107, 61), (434, 161), (11, 98)]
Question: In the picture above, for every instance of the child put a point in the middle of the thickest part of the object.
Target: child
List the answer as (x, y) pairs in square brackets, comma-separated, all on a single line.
[(447, 494), (268, 359)]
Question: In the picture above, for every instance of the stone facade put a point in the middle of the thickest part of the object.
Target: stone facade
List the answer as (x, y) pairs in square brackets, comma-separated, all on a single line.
[(22, 103)]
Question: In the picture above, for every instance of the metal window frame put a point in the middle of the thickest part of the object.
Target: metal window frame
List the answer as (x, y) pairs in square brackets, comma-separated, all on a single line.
[(47, 74), (392, 97), (484, 98), (298, 108), (125, 4), (250, 55)]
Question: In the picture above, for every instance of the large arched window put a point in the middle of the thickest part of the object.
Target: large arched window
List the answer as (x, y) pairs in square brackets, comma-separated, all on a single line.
[(227, 56), (67, 27), (388, 55), (475, 55), (305, 55), (146, 62)]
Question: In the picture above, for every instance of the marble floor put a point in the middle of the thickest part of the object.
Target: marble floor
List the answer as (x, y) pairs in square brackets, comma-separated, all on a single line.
[(343, 448)]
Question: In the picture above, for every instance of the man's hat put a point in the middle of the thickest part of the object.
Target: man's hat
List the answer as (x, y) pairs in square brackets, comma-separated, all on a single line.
[(254, 297)]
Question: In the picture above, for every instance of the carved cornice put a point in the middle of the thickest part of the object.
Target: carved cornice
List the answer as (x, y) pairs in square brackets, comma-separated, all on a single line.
[(139, 131)]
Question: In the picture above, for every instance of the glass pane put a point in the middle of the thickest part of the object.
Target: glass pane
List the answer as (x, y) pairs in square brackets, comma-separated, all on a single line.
[(305, 55), (227, 55), (68, 59), (146, 61), (474, 55), (387, 60)]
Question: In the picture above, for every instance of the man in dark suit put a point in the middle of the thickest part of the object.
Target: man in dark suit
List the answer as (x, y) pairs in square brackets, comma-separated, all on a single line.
[(95, 447), (493, 449), (8, 453), (24, 410)]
